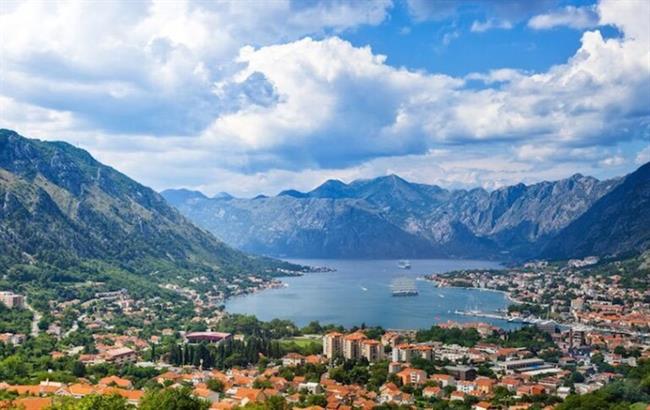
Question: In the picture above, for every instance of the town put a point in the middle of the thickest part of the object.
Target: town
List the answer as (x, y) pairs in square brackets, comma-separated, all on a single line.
[(575, 338)]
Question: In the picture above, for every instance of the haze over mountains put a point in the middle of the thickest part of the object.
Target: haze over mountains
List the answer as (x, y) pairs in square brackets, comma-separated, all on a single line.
[(390, 217)]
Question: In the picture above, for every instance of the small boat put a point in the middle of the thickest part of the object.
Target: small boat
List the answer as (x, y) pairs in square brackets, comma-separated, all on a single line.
[(364, 289), (404, 264)]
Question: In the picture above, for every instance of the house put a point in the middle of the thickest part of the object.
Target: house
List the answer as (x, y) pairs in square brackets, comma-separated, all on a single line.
[(205, 394), (390, 393), (457, 396), (412, 376), (121, 355), (168, 377), (510, 383), (27, 403), (465, 386), (311, 387), (115, 381), (484, 385), (444, 380), (432, 391), (482, 405), (293, 359), (249, 395)]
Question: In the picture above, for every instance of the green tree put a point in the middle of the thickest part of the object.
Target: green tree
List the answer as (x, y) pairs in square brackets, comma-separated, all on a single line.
[(215, 385), (92, 402), (172, 399)]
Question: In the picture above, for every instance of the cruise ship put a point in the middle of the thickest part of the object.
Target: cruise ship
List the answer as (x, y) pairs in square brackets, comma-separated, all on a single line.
[(404, 264), (404, 286)]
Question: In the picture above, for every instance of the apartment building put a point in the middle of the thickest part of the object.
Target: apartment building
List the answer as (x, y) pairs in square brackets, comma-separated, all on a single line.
[(333, 345), (406, 352), (353, 346), (12, 300)]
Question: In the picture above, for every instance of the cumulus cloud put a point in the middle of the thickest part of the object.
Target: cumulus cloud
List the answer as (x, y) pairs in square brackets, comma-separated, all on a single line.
[(332, 113), (149, 67), (569, 16), (244, 100)]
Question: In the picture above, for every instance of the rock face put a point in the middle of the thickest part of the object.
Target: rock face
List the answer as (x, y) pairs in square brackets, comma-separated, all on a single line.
[(60, 207), (616, 224), (391, 217)]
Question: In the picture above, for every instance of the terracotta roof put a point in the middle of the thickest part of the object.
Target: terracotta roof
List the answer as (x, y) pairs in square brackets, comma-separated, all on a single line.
[(118, 381), (28, 403), (355, 336)]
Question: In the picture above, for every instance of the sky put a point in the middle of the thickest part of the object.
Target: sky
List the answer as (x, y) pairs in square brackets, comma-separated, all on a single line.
[(251, 97)]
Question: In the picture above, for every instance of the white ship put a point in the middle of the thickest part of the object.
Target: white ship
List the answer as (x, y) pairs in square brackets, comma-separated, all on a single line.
[(404, 286), (404, 264)]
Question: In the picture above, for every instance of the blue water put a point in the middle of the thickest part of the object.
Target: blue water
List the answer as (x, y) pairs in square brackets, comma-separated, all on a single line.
[(359, 292)]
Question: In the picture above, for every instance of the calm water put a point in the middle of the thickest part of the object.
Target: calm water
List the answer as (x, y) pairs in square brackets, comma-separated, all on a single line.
[(359, 292)]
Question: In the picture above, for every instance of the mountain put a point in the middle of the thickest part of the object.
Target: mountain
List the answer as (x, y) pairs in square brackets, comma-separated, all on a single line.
[(391, 217), (618, 223), (64, 213)]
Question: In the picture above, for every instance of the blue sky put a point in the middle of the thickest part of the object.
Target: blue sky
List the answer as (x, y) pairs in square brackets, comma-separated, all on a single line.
[(258, 96)]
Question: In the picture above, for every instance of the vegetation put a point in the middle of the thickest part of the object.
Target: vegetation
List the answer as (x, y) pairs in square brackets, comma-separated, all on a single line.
[(462, 337), (622, 394), (225, 355), (15, 320)]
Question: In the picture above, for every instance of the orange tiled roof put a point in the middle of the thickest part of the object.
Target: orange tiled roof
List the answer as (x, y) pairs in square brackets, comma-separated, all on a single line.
[(28, 403)]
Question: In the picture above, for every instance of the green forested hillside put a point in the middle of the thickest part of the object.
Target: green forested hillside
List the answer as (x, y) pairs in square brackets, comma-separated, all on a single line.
[(65, 217)]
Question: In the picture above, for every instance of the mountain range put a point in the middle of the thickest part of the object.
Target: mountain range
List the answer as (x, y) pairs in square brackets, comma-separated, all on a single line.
[(63, 213), (391, 217)]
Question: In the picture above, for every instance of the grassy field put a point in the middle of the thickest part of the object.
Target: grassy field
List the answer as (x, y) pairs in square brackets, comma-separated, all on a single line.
[(302, 342)]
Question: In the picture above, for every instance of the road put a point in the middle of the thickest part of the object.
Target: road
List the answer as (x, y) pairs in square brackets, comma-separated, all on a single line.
[(35, 320)]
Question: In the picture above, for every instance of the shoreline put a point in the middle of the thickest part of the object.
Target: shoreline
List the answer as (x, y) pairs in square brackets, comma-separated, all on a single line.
[(233, 305)]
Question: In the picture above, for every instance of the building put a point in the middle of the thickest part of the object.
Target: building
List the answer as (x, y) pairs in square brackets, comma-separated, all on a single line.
[(466, 386), (311, 387), (577, 304), (412, 377), (372, 350), (293, 359), (333, 345), (432, 391), (121, 355), (462, 372), (444, 380), (12, 300), (210, 337), (513, 365), (406, 352), (352, 345), (484, 385), (11, 338)]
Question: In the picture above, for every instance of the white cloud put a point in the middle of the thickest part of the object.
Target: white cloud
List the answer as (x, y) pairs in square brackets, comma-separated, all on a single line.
[(329, 109), (136, 67), (481, 26), (234, 98), (643, 156), (569, 16)]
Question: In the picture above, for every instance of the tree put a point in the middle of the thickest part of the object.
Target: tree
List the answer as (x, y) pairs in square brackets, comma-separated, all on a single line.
[(215, 385), (172, 399), (92, 402)]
